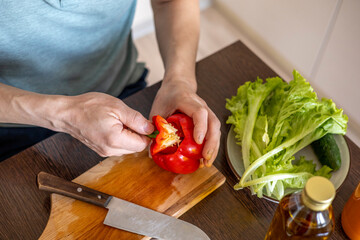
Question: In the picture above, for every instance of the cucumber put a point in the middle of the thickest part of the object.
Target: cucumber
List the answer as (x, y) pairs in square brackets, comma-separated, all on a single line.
[(327, 151)]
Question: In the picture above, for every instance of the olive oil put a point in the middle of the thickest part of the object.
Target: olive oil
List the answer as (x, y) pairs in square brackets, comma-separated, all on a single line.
[(305, 215)]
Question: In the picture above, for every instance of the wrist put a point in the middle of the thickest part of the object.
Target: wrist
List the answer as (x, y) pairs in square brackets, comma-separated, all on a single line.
[(57, 111), (46, 111), (181, 78), (180, 68)]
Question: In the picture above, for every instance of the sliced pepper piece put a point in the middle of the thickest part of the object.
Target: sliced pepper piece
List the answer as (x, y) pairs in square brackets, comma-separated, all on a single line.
[(166, 137)]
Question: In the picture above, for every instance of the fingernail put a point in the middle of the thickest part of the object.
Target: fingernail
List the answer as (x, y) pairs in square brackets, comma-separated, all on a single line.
[(208, 164), (148, 128), (200, 139), (201, 163), (209, 154)]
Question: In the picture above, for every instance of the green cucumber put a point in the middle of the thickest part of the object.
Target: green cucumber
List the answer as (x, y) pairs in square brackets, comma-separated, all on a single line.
[(327, 151)]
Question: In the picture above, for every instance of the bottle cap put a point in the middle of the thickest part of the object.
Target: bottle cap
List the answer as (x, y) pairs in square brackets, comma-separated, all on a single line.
[(318, 193)]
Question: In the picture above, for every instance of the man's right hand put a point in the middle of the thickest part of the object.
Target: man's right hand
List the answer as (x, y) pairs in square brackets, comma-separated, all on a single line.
[(102, 122), (105, 124)]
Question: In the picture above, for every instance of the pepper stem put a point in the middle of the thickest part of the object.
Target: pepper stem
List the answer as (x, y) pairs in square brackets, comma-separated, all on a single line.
[(153, 134)]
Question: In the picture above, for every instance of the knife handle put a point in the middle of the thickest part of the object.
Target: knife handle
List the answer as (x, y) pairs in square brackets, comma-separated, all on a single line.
[(54, 184)]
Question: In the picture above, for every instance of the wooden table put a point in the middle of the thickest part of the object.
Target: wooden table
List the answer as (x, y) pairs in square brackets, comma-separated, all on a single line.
[(224, 214)]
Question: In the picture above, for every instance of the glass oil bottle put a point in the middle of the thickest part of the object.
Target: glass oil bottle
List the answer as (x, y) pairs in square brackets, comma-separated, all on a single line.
[(305, 215)]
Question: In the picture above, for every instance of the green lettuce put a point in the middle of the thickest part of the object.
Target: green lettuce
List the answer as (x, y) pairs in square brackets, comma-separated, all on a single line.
[(272, 121)]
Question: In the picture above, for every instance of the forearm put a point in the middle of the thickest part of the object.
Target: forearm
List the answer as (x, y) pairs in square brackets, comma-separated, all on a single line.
[(177, 31), (24, 107)]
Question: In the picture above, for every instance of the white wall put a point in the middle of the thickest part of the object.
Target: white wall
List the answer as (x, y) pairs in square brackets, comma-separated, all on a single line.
[(321, 39), (143, 20), (337, 74)]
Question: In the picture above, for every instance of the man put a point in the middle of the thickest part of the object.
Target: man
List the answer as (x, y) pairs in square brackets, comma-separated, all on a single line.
[(64, 62)]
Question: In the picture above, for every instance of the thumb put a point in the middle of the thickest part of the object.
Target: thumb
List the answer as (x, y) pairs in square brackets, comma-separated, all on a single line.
[(135, 121)]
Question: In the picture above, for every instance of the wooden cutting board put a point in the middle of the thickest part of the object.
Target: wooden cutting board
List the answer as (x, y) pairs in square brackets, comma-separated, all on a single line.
[(135, 178)]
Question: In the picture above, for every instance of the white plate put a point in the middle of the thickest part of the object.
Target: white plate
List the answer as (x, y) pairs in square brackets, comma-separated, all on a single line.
[(234, 157)]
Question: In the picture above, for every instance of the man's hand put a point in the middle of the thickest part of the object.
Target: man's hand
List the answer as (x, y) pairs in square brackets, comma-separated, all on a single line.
[(180, 95), (177, 31), (102, 122), (105, 124)]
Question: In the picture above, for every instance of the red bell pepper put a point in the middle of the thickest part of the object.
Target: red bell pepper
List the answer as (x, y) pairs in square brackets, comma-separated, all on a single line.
[(174, 148)]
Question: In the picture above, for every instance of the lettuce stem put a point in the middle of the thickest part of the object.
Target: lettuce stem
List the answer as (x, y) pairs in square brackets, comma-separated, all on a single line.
[(258, 162), (269, 178)]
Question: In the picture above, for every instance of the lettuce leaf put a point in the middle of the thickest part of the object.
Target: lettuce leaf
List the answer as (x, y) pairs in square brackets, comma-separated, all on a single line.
[(272, 121)]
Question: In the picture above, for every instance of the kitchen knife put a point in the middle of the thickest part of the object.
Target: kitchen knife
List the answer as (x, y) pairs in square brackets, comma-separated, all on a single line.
[(123, 214)]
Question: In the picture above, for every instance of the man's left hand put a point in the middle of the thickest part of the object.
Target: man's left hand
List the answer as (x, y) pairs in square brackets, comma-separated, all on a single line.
[(178, 95)]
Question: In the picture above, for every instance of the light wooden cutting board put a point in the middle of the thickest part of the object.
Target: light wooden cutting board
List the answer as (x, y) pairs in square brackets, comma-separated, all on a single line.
[(135, 178)]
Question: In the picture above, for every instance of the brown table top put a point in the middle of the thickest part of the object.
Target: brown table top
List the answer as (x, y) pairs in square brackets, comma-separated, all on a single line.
[(224, 214)]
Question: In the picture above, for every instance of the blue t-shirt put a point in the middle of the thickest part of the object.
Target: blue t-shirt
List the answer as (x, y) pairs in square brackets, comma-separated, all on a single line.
[(68, 47)]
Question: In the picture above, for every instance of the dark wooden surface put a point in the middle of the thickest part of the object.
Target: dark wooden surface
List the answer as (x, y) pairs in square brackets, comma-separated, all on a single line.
[(224, 214)]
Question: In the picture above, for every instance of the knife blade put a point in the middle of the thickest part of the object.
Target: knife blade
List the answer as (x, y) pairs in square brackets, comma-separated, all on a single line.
[(123, 214)]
